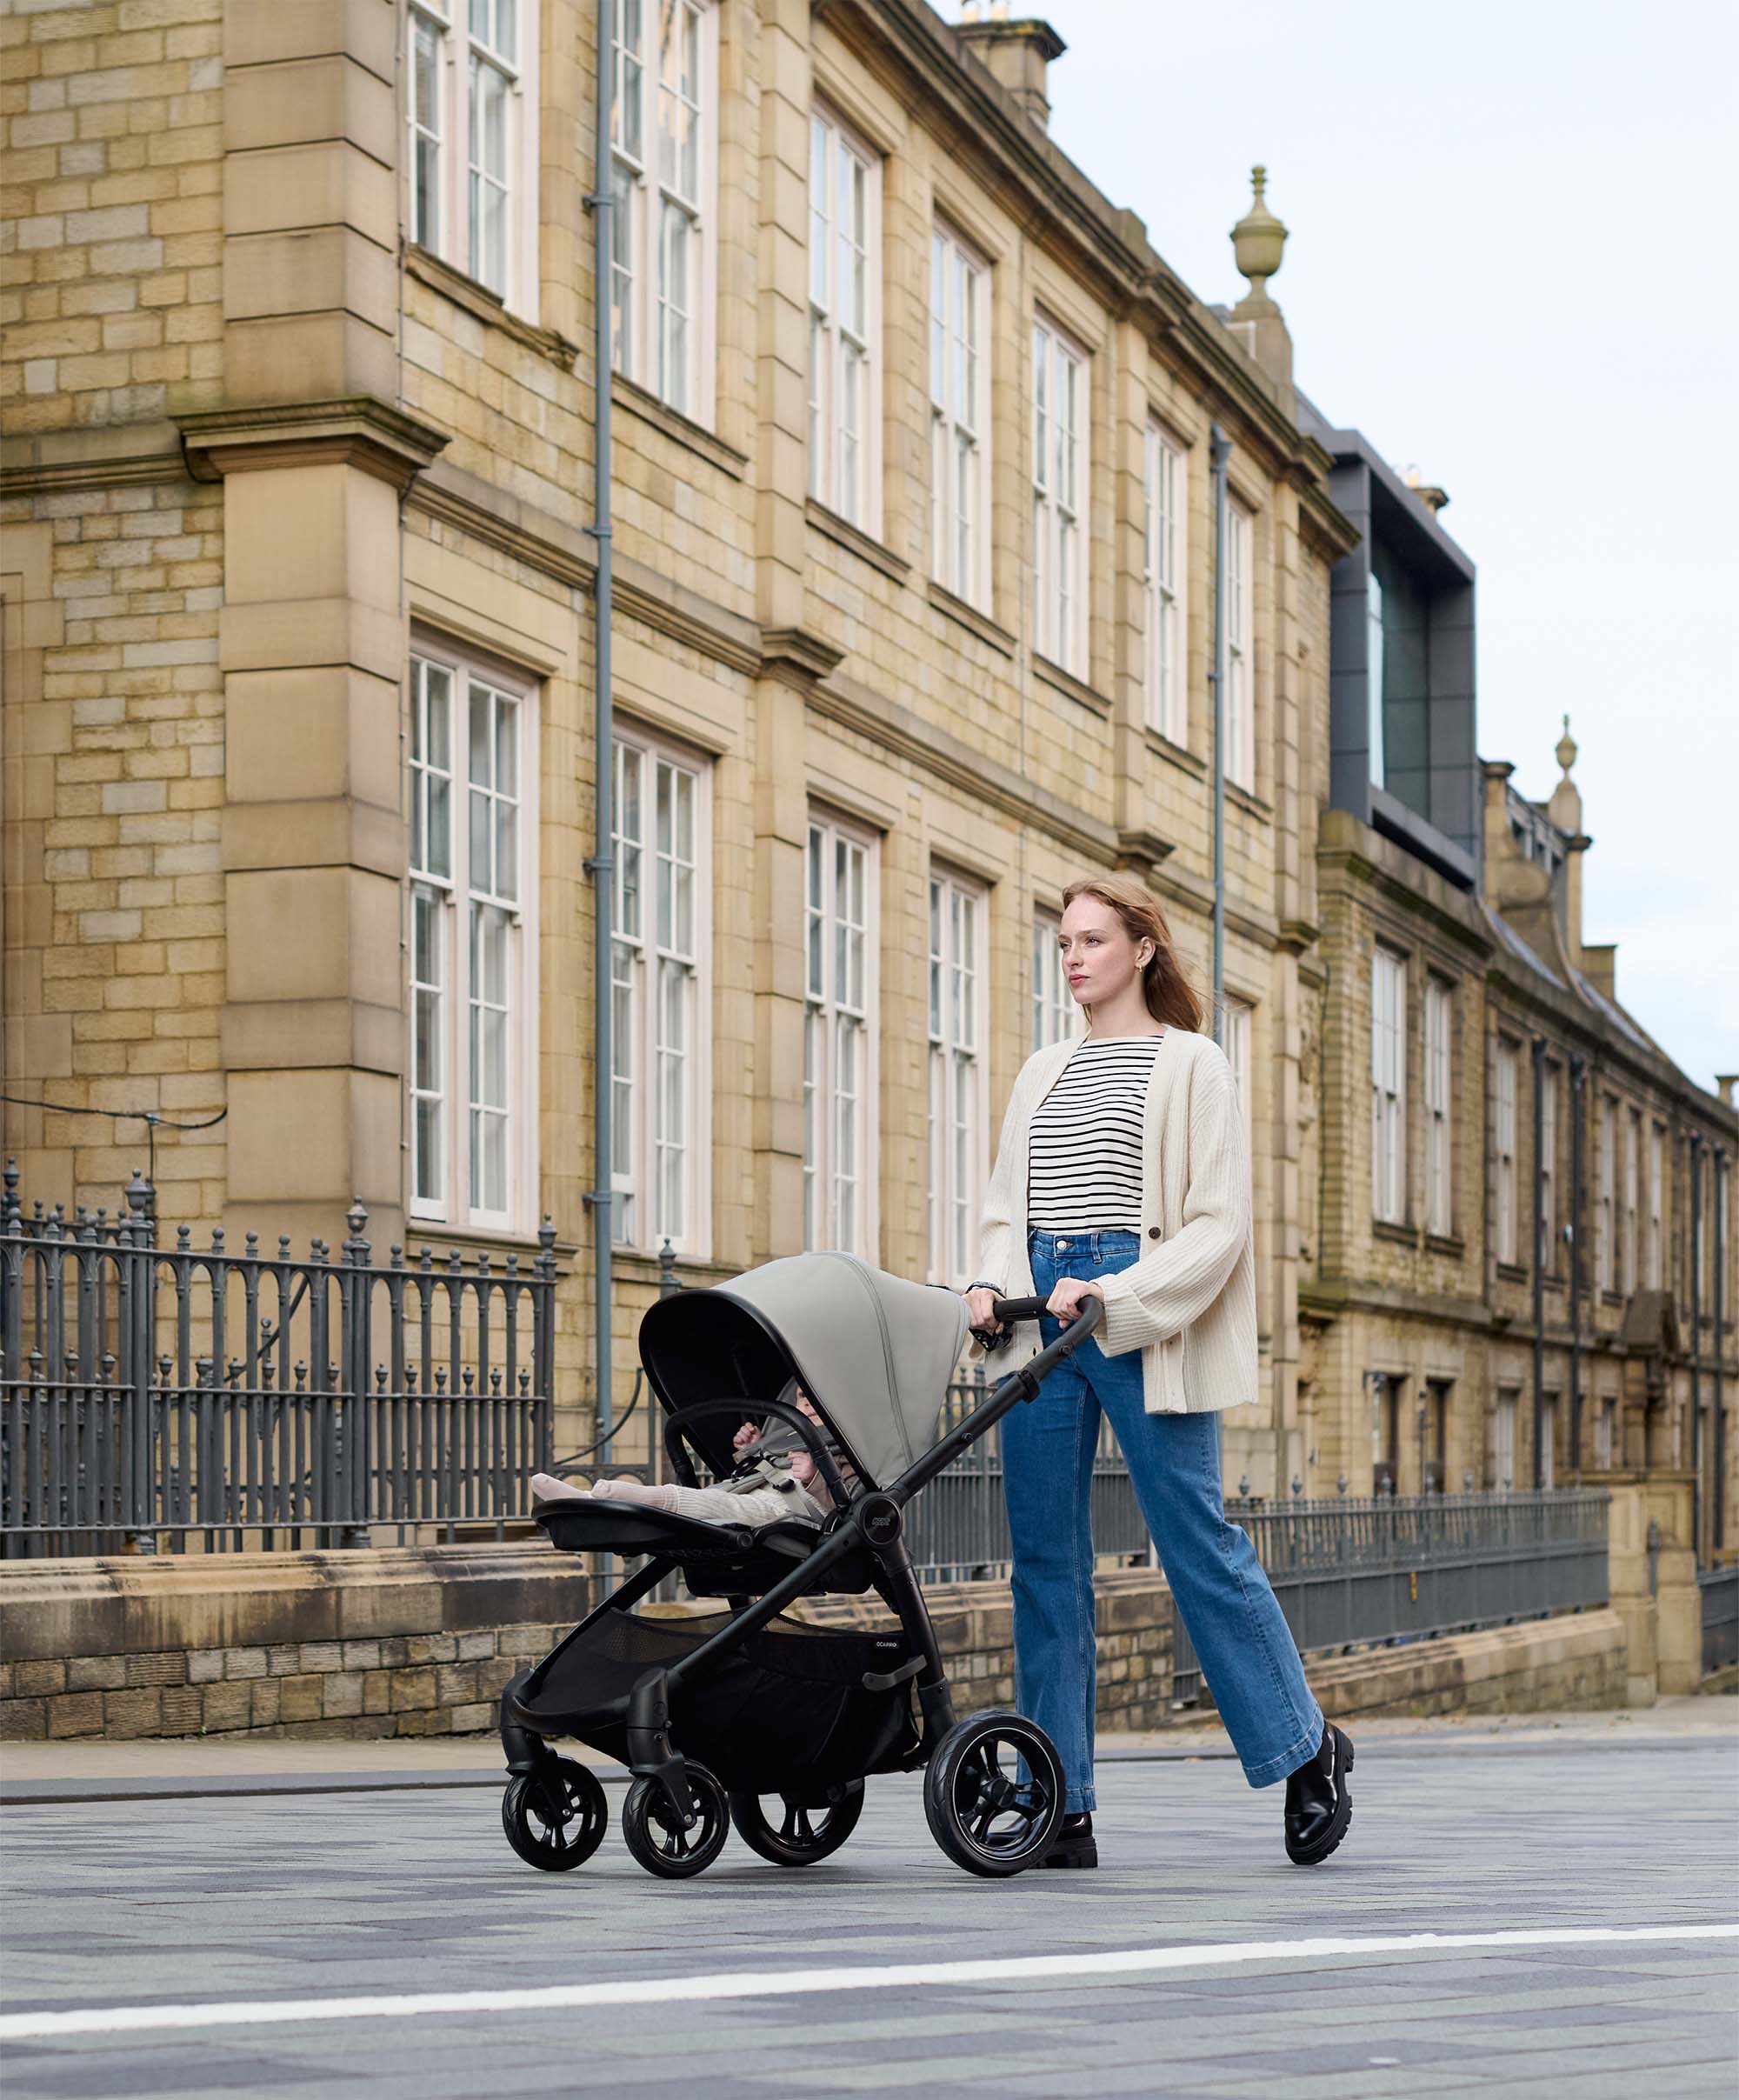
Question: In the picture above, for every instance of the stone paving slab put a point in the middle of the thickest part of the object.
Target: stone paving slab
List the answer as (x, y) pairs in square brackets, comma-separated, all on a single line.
[(264, 1896)]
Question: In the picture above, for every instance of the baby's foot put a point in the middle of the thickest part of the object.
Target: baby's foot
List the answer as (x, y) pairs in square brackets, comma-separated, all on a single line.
[(546, 1487)]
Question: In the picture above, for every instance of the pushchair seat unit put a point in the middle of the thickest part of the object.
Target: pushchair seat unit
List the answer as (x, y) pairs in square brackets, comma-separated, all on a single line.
[(779, 1708)]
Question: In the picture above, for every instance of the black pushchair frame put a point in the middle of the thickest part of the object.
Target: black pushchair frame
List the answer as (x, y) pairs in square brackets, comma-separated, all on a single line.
[(862, 1547)]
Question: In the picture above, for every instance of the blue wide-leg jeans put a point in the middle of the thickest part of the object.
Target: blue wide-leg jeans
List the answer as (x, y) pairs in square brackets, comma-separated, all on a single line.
[(1247, 1651)]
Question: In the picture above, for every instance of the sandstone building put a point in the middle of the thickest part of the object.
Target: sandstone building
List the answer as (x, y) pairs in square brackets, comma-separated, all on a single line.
[(915, 569), (1487, 1105)]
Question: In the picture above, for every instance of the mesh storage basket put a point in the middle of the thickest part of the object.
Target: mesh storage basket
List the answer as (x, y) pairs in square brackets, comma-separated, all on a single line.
[(785, 1709)]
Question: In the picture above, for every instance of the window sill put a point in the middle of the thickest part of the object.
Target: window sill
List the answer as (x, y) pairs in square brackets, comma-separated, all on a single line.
[(1176, 754), (635, 400), (843, 533), (1252, 804), (489, 307), (638, 1265), (1069, 685), (971, 618), (443, 1239), (1512, 1272), (1613, 1298), (1397, 1235), (1450, 1243)]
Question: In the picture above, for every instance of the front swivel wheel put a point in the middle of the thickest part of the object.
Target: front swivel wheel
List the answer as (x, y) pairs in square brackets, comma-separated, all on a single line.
[(994, 1794), (555, 1816), (664, 1844)]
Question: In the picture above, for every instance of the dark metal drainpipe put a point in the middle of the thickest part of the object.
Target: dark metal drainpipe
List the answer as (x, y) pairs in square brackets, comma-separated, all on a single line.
[(1219, 454), (1717, 1515), (1578, 1075), (1541, 1231), (601, 866), (1696, 1345)]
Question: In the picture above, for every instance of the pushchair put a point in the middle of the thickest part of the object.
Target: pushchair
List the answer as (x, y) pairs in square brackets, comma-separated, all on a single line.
[(743, 1716)]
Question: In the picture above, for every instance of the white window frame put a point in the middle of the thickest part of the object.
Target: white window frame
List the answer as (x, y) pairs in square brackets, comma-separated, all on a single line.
[(1388, 1086), (1549, 1161), (1238, 1021), (1606, 1170), (958, 1008), (661, 1024), (1506, 1074), (1503, 1440), (1632, 1240), (960, 416), (845, 332), (841, 1027), (1240, 646), (1657, 1149), (464, 42), (1166, 553), (663, 318), (454, 903), (1439, 1148), (1062, 479), (1056, 1015)]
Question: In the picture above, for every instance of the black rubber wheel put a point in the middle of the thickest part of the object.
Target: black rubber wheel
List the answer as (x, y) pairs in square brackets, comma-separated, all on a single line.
[(555, 1817), (981, 1811), (663, 1846), (802, 1833)]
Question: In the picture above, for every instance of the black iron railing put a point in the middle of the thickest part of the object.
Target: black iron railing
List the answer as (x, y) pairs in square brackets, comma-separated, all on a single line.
[(155, 1396), (1719, 1588), (1392, 1568)]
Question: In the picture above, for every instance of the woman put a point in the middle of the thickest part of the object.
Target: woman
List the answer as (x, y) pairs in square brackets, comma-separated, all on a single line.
[(1121, 1175)]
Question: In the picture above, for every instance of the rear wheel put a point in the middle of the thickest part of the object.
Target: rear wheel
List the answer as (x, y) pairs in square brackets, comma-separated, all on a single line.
[(796, 1833), (556, 1817), (662, 1843), (994, 1794)]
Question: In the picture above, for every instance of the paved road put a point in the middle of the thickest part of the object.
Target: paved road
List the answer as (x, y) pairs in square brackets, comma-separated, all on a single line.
[(315, 1898)]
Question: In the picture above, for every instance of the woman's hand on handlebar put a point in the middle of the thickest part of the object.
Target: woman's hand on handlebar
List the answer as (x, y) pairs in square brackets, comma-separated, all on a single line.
[(1064, 1303), (980, 1312)]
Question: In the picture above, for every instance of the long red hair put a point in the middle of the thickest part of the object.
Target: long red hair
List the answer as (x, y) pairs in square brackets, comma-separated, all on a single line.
[(1171, 997)]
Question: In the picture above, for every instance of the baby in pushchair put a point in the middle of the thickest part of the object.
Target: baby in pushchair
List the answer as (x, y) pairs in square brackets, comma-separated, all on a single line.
[(769, 1481), (744, 1716)]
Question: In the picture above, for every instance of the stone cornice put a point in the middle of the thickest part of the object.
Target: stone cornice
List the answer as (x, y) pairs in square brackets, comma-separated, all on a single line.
[(796, 657), (488, 515), (1060, 209), (359, 431), (53, 463), (896, 730), (1141, 850), (1360, 867)]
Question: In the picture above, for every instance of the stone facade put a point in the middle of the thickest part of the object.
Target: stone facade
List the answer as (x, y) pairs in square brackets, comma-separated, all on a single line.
[(262, 444), (1420, 1359)]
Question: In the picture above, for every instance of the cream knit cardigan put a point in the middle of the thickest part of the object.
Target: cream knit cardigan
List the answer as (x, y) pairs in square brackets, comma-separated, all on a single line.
[(1189, 1301)]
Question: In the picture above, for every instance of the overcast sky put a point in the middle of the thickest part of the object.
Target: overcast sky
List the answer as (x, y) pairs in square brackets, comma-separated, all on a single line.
[(1511, 263)]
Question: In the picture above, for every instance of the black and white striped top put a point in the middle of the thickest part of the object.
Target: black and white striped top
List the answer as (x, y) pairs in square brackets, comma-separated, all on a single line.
[(1084, 1156)]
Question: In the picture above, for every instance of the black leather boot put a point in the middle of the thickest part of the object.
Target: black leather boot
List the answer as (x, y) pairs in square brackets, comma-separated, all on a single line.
[(1074, 1844), (1319, 1802)]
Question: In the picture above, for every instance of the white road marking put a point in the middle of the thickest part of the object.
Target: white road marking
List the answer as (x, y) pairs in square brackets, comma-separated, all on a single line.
[(678, 1990)]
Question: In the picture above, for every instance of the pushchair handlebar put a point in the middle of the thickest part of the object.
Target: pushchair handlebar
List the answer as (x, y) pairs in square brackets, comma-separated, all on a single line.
[(1010, 1309)]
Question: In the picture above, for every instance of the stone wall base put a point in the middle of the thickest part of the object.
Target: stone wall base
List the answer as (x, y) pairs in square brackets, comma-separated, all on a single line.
[(419, 1641)]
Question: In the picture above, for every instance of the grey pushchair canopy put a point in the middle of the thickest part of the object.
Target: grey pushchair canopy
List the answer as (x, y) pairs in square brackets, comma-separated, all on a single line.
[(874, 1353)]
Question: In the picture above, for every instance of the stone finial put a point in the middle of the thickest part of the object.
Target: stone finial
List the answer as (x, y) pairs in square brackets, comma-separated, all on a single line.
[(1258, 240), (1566, 752)]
